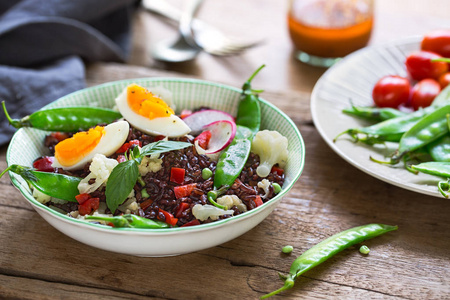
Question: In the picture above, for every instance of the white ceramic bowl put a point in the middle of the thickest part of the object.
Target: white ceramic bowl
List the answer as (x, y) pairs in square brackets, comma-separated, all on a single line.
[(27, 144)]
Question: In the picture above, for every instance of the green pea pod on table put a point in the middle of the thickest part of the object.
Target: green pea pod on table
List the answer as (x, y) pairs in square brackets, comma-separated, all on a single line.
[(65, 119), (327, 249), (130, 221), (52, 184), (232, 160), (441, 169)]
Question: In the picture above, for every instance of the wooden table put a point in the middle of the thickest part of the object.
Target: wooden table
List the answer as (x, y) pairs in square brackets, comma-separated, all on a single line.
[(39, 262)]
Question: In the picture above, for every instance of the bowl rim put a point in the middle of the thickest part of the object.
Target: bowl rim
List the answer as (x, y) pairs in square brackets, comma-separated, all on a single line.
[(172, 230)]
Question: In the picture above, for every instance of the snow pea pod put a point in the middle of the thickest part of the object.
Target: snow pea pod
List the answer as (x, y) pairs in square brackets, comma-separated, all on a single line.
[(328, 248), (441, 169), (249, 110), (232, 160), (374, 113), (391, 129), (426, 130), (440, 149), (65, 119), (52, 184), (130, 221)]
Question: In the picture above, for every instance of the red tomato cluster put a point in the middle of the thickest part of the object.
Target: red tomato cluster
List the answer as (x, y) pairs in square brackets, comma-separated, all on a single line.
[(428, 77)]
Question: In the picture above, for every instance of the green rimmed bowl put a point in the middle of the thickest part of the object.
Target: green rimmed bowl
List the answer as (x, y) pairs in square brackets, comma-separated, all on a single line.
[(27, 144)]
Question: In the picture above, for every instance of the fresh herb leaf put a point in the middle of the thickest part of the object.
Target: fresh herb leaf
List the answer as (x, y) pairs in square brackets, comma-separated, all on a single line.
[(136, 152), (120, 183), (163, 146), (25, 172)]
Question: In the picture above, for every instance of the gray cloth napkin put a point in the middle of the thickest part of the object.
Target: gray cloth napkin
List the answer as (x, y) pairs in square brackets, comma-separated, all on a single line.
[(44, 44)]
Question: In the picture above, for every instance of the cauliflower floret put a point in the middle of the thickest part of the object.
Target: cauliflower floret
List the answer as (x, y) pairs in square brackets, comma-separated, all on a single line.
[(231, 200), (41, 197), (203, 212), (101, 167), (130, 205), (150, 164), (264, 185), (271, 147)]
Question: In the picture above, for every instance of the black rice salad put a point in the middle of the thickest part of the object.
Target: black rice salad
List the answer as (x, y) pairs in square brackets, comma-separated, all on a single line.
[(159, 197), (155, 169)]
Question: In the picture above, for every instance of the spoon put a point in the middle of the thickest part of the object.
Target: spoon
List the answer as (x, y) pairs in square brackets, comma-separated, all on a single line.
[(179, 49)]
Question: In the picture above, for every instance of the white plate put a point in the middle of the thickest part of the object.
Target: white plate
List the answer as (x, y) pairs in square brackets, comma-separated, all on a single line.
[(353, 78)]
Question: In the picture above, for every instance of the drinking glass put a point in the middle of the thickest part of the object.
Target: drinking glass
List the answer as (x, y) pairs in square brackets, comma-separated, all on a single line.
[(325, 30)]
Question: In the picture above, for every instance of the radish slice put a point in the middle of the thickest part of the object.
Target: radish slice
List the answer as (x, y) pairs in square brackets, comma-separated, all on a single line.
[(196, 121), (222, 133)]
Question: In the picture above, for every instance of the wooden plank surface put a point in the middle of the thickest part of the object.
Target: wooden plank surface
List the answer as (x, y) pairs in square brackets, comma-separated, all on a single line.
[(39, 262), (331, 195)]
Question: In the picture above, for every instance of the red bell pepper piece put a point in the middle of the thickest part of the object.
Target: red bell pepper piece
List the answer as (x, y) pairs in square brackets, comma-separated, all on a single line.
[(128, 145), (81, 198), (182, 207), (258, 201), (44, 164), (184, 190), (191, 223), (88, 206), (169, 218), (159, 138), (203, 139), (277, 170), (144, 205), (177, 175)]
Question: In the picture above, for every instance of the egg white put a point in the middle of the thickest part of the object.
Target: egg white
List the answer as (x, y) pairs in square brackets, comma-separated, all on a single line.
[(115, 136), (171, 126)]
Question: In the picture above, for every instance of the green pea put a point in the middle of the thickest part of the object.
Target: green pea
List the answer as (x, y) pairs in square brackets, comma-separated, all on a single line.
[(206, 173), (364, 249), (276, 188), (287, 249)]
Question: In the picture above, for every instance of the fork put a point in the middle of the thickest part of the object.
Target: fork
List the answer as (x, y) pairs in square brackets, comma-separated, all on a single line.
[(202, 35)]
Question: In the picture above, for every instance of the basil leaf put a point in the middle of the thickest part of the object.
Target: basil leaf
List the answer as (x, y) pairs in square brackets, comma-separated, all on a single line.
[(120, 183), (163, 146)]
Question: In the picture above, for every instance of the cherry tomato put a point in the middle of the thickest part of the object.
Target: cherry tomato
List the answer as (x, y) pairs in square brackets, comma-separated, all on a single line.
[(419, 65), (437, 41), (391, 91), (444, 80), (424, 92)]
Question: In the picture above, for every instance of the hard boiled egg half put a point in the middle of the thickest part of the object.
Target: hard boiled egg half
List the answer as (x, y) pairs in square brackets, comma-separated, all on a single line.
[(149, 113), (73, 153)]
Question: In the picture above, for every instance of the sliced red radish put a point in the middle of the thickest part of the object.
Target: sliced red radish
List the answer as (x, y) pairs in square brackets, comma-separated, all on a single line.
[(222, 133), (198, 120)]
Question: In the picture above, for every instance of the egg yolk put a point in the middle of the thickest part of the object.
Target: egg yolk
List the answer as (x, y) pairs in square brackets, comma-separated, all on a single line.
[(70, 151), (144, 103)]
